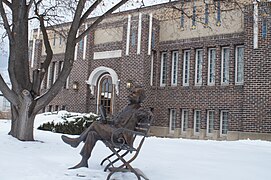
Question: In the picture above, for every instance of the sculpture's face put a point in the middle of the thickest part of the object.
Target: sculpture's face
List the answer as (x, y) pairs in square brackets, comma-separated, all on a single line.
[(135, 94)]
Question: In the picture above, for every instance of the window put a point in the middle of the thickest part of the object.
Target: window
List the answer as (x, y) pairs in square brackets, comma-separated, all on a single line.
[(163, 77), (198, 67), (106, 93), (186, 64), (225, 61), (174, 71), (184, 120), (223, 123), (211, 66), (172, 120), (151, 76), (81, 44), (239, 65), (210, 122), (54, 40), (196, 122), (60, 40), (54, 74), (48, 76)]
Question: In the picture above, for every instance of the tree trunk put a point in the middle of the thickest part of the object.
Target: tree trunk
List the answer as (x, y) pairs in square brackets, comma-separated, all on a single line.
[(22, 120)]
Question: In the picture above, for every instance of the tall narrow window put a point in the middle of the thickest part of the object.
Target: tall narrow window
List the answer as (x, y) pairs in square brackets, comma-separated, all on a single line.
[(196, 122), (211, 66), (60, 40), (264, 27), (49, 72), (174, 70), (218, 19), (239, 65), (225, 61), (54, 39), (106, 92), (151, 76), (172, 120), (224, 118), (210, 122), (198, 67), (194, 16), (163, 77), (186, 65), (182, 16), (206, 19), (54, 74), (184, 120)]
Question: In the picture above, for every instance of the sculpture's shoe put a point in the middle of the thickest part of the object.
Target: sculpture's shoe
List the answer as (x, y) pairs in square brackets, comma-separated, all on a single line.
[(83, 163), (74, 142)]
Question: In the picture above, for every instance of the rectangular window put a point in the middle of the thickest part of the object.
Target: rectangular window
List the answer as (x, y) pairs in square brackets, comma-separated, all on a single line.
[(186, 64), (210, 122), (48, 77), (211, 66), (172, 120), (54, 40), (225, 62), (163, 77), (151, 76), (198, 67), (54, 75), (196, 122), (174, 70), (224, 119), (239, 65), (60, 40), (184, 120)]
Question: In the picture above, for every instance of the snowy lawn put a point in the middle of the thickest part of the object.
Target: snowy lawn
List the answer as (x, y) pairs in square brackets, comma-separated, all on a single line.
[(160, 158)]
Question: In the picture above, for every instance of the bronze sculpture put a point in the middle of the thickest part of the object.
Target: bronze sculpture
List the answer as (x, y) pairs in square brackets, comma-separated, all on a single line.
[(127, 118)]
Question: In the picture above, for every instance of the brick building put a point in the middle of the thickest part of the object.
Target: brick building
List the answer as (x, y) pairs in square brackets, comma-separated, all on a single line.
[(206, 76)]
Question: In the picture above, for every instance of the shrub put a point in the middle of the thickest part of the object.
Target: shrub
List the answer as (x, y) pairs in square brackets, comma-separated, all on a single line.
[(75, 125)]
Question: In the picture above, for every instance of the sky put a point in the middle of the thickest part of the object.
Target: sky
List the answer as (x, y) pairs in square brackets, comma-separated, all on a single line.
[(49, 158)]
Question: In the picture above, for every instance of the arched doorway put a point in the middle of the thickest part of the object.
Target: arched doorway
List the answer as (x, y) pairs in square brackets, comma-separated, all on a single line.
[(105, 93)]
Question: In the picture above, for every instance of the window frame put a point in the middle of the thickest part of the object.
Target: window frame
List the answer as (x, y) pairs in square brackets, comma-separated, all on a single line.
[(186, 63), (237, 82), (208, 133), (222, 66), (163, 70), (174, 68), (172, 120), (212, 83), (197, 123), (221, 128), (183, 123), (196, 67)]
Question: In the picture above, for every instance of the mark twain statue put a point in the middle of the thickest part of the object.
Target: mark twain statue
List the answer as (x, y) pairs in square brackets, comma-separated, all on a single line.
[(98, 130)]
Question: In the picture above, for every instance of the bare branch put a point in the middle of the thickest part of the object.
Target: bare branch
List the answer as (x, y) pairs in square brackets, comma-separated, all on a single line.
[(87, 13), (100, 18), (6, 24), (9, 94), (7, 3)]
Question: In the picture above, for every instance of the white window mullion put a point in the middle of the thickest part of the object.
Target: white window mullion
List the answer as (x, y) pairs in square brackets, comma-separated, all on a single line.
[(172, 121), (211, 66), (239, 65), (184, 123), (174, 69), (225, 59), (224, 118), (198, 67), (163, 73), (186, 67), (196, 122)]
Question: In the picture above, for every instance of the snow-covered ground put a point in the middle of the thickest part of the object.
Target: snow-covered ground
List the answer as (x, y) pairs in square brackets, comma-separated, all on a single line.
[(160, 158)]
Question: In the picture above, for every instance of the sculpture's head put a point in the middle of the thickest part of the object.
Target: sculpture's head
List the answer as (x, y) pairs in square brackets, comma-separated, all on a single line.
[(137, 95)]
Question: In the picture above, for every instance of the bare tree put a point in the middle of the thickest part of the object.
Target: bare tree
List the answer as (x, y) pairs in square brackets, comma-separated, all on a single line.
[(26, 100)]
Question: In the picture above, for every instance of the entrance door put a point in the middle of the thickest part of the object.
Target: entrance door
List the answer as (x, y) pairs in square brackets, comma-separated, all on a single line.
[(106, 93)]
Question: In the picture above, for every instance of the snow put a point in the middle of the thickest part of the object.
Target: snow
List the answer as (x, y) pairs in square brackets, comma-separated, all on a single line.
[(49, 158)]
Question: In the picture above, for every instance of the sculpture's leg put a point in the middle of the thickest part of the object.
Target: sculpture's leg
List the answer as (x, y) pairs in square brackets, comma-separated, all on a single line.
[(90, 142)]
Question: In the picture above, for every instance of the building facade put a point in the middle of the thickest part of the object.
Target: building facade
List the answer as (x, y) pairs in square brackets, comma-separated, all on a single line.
[(205, 68)]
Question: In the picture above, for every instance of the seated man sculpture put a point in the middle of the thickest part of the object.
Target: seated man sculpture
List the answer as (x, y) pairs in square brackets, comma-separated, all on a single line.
[(99, 130)]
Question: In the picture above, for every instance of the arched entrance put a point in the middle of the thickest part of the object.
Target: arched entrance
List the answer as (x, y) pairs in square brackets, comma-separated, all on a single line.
[(104, 84), (105, 93)]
